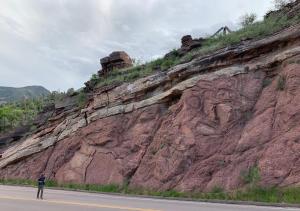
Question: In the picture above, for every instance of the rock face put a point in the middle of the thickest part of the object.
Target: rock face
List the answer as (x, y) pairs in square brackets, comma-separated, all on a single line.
[(116, 60), (188, 43), (197, 126)]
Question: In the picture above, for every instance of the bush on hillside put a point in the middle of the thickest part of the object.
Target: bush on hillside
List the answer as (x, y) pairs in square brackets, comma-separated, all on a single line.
[(20, 113), (248, 19)]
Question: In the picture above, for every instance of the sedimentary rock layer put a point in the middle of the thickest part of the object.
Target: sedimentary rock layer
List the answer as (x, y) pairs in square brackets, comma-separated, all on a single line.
[(197, 126)]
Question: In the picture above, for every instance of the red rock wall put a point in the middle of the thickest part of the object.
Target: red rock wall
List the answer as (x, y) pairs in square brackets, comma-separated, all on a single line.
[(217, 130), (200, 125)]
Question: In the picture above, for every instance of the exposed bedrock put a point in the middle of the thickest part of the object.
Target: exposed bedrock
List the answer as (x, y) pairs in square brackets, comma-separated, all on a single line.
[(198, 126)]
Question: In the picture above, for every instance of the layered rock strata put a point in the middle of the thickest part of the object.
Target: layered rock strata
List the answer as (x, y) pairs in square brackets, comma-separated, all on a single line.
[(197, 126), (116, 60)]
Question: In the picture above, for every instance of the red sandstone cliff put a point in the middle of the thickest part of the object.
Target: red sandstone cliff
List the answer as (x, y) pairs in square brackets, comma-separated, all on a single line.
[(197, 126)]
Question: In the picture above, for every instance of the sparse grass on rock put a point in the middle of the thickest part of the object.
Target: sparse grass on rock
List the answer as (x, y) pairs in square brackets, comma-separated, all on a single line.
[(134, 73), (254, 30), (281, 83)]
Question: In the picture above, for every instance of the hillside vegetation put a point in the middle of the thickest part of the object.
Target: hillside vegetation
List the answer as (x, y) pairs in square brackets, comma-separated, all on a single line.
[(250, 29), (19, 113), (11, 94)]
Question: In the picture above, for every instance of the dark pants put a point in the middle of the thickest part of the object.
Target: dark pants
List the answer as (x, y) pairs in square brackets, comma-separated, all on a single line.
[(40, 191)]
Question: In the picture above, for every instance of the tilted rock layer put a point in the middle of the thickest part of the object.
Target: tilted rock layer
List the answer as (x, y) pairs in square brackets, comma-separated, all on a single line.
[(197, 126)]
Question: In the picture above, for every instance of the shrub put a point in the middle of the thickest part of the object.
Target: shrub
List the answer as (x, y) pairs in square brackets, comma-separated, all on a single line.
[(251, 176), (281, 83), (21, 113), (70, 91), (248, 19), (81, 99), (94, 77)]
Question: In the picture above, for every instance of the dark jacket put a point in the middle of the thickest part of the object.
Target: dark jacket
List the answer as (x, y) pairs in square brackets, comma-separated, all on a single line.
[(41, 181)]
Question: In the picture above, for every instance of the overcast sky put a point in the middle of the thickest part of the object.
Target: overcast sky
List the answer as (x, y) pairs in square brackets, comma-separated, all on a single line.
[(58, 43)]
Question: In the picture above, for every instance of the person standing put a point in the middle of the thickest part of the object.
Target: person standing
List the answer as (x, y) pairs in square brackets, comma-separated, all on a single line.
[(41, 185)]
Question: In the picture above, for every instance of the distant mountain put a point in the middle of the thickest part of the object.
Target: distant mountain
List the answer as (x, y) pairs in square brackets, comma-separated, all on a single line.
[(10, 94)]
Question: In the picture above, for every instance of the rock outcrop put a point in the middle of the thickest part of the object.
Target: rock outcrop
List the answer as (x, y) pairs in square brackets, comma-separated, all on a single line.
[(116, 60), (289, 10), (188, 44), (197, 126)]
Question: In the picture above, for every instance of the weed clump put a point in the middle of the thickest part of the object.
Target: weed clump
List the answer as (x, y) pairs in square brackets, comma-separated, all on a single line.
[(281, 83)]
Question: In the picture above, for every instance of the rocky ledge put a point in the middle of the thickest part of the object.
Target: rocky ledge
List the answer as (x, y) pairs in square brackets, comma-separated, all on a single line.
[(199, 125)]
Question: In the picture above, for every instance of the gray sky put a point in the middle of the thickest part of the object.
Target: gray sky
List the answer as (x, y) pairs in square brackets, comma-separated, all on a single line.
[(58, 43)]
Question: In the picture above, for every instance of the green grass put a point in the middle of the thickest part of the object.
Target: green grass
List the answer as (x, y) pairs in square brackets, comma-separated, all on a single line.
[(257, 194), (82, 99), (253, 31), (251, 176), (134, 73), (17, 182)]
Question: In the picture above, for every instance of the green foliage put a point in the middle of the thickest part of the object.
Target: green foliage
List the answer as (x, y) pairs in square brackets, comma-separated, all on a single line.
[(20, 113), (216, 193), (17, 182), (281, 83), (82, 99), (267, 82), (10, 94), (251, 176), (253, 193), (70, 91), (250, 30), (271, 195), (55, 96), (255, 30), (51, 183), (248, 19), (94, 77), (136, 72)]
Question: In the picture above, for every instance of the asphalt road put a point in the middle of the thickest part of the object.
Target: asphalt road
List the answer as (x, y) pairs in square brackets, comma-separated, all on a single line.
[(23, 199)]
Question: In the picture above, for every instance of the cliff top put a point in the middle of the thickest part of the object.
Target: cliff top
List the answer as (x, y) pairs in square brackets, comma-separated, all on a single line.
[(287, 15)]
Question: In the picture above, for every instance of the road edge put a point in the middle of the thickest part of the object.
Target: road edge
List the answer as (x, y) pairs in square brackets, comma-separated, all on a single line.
[(213, 201)]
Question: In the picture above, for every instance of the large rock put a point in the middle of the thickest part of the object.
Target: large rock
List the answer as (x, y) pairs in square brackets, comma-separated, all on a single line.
[(116, 60), (188, 43)]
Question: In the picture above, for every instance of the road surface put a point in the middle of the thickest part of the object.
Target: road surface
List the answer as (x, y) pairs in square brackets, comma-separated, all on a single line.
[(23, 199)]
